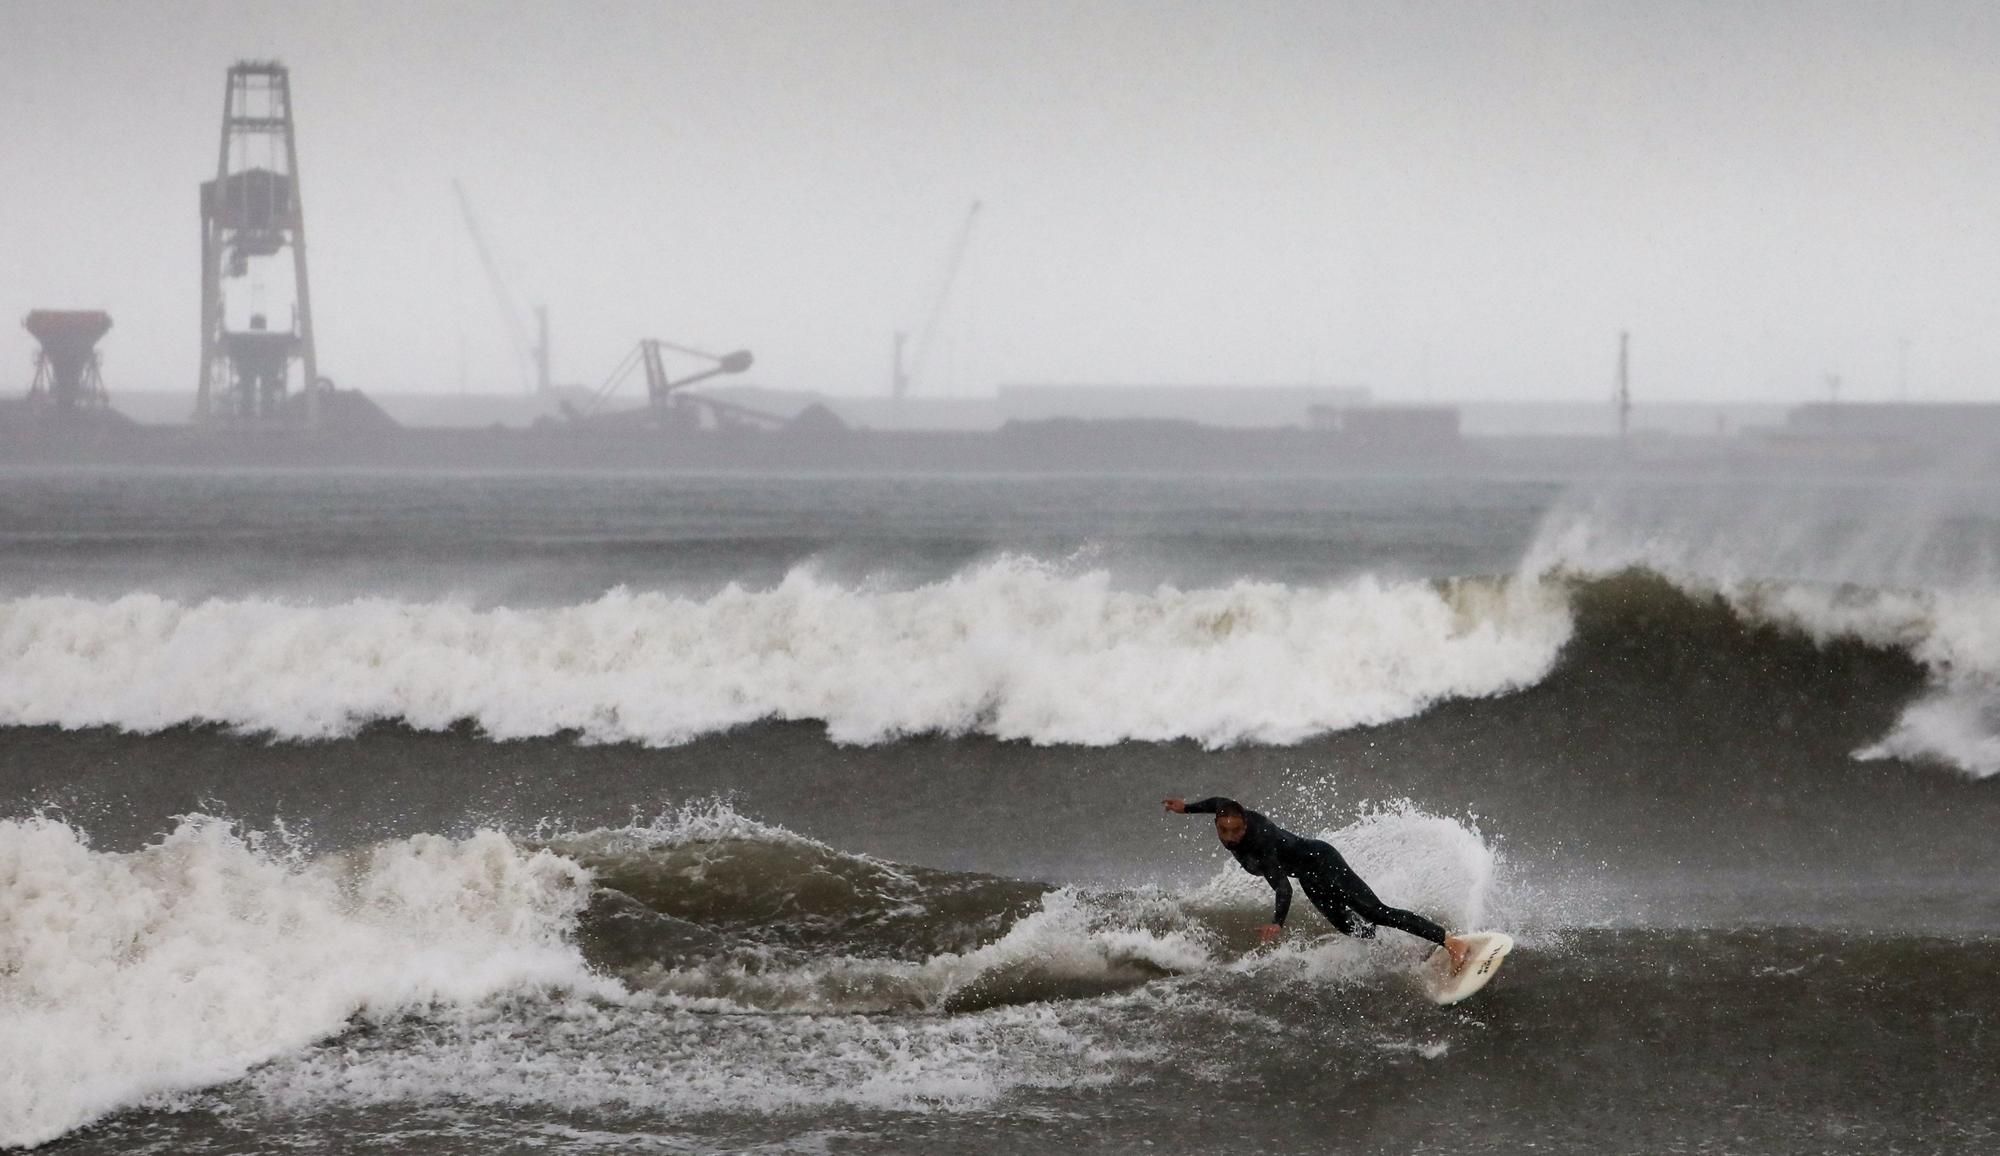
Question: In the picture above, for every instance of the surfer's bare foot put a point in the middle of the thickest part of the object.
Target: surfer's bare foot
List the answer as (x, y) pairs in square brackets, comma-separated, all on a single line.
[(1458, 949)]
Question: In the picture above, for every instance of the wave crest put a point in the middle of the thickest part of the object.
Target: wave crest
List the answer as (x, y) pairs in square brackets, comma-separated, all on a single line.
[(1014, 648), (1910, 571)]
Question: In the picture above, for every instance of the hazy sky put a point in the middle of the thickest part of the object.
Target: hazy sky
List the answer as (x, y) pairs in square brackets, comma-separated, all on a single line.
[(1436, 200)]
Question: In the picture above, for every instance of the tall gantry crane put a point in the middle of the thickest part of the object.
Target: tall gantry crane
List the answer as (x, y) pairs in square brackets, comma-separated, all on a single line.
[(251, 213)]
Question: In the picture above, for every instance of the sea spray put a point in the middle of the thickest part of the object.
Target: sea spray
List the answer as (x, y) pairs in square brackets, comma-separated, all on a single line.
[(1439, 867)]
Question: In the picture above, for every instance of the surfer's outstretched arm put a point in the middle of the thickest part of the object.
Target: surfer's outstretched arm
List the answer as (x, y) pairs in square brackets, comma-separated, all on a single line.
[(1283, 887), (1206, 806)]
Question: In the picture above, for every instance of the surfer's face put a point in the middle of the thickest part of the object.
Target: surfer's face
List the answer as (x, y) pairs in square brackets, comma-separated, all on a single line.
[(1229, 828)]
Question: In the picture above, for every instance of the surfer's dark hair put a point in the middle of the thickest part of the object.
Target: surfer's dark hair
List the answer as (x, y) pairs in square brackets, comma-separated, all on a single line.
[(1229, 807)]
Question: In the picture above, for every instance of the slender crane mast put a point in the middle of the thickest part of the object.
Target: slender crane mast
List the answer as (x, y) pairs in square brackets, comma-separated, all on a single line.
[(901, 377), (530, 354)]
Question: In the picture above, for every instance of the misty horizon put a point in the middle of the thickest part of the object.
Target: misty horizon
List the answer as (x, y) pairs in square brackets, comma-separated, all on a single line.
[(1457, 203)]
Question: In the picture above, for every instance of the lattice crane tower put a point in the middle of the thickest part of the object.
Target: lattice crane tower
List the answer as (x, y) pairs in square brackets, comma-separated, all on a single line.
[(251, 217)]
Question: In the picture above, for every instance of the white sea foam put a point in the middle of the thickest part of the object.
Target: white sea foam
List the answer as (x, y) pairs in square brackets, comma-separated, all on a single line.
[(699, 822), (1075, 943), (129, 976), (1013, 648), (1958, 723), (653, 1057)]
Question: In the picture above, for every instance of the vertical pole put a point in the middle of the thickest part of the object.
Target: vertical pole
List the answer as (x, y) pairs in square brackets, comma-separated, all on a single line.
[(899, 379), (93, 384), (1624, 385), (656, 379), (204, 405), (542, 349)]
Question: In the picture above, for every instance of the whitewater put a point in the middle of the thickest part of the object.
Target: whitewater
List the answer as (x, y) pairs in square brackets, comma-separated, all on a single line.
[(446, 816), (136, 979), (1014, 648), (182, 965)]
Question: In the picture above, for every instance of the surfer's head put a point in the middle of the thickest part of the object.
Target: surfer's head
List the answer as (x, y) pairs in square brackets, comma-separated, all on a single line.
[(1230, 822)]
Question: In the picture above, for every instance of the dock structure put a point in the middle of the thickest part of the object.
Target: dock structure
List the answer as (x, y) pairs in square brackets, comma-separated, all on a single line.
[(251, 221)]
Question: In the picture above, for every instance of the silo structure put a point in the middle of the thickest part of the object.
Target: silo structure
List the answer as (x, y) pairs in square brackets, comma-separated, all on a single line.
[(67, 374)]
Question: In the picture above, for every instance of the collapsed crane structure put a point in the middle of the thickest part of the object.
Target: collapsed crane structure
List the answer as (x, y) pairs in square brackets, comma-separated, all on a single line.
[(250, 214), (668, 406)]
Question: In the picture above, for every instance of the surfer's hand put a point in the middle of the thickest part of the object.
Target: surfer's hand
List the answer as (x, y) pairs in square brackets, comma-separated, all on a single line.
[(1177, 805), (1270, 932)]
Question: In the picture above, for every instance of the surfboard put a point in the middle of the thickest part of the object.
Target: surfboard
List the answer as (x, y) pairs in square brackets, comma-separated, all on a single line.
[(1485, 951)]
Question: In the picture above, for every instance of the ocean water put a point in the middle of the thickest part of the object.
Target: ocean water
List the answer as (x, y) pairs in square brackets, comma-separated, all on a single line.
[(348, 812)]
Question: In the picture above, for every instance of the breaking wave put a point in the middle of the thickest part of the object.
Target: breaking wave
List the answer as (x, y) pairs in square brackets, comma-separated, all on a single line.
[(809, 928), (1019, 649), (219, 957), (1915, 573), (125, 978), (1015, 649)]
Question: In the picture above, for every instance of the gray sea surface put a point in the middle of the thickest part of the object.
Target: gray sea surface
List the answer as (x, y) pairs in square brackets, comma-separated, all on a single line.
[(376, 812)]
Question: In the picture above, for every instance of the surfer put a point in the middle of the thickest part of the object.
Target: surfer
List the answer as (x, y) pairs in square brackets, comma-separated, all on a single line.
[(1263, 848)]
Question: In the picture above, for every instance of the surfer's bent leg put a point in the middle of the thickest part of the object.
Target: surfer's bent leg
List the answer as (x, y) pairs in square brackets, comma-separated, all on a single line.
[(1330, 873), (1326, 896)]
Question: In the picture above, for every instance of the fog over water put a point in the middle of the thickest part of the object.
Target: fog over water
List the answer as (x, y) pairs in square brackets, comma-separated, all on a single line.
[(1455, 201)]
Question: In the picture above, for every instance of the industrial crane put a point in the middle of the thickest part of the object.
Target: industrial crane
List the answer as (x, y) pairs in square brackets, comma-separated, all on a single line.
[(661, 395), (902, 377), (532, 355)]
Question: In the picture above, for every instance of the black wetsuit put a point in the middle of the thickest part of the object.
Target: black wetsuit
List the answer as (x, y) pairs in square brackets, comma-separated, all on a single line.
[(1269, 850)]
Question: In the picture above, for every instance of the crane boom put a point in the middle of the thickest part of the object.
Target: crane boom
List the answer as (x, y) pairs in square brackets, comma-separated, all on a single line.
[(928, 337), (525, 352)]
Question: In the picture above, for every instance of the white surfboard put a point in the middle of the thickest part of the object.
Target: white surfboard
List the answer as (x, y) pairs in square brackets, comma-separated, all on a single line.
[(1485, 951)]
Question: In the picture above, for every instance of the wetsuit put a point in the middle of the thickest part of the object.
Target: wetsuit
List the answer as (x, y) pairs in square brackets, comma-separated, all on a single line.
[(1269, 850)]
